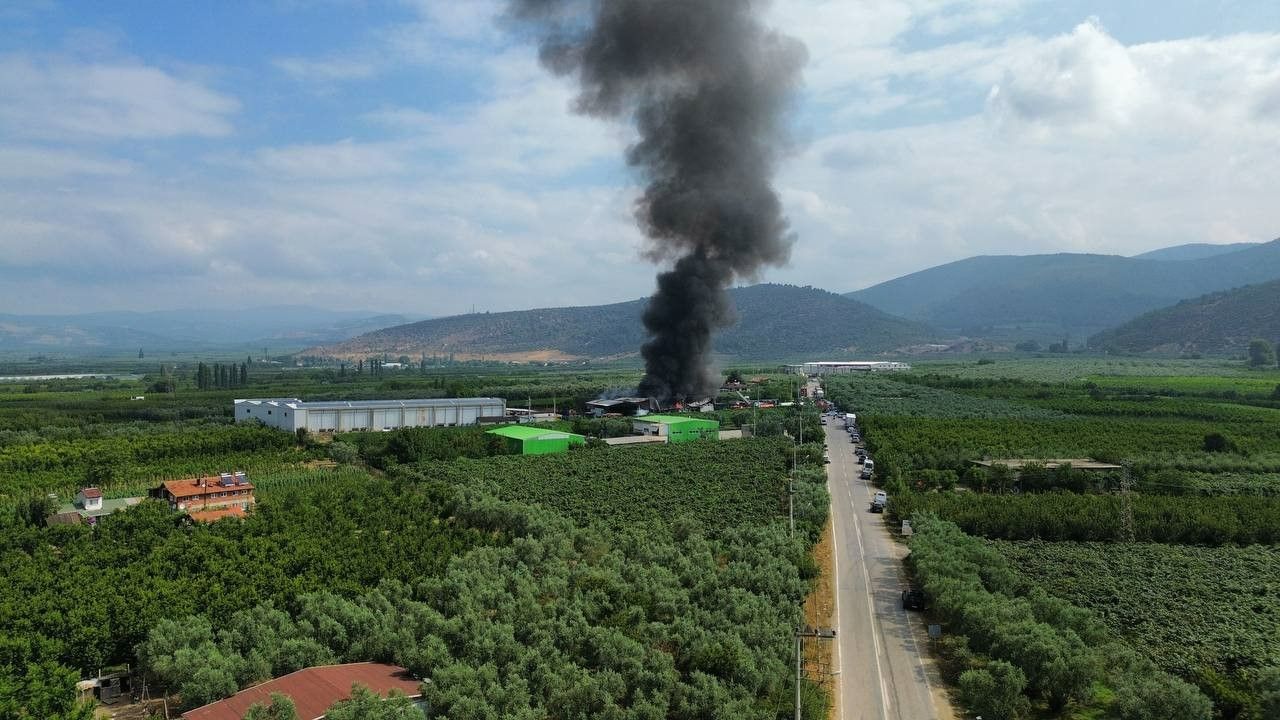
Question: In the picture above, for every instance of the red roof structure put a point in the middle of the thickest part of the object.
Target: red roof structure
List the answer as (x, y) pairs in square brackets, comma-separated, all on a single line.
[(91, 492), (313, 690)]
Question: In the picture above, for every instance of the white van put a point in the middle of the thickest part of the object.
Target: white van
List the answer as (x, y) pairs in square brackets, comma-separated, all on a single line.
[(869, 465)]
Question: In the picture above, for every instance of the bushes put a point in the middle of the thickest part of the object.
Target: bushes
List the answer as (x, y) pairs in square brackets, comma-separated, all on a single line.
[(995, 690)]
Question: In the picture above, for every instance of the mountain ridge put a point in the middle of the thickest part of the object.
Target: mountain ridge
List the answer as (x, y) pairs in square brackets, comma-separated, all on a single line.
[(774, 321), (1218, 322), (1079, 292)]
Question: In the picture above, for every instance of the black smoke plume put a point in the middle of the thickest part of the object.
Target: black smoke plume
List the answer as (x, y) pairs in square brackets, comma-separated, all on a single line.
[(705, 84)]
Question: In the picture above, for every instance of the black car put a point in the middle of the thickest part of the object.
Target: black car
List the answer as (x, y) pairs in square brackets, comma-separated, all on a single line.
[(913, 599)]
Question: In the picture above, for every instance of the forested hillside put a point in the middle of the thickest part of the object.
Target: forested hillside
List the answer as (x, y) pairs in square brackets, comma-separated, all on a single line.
[(773, 321), (1217, 322), (1075, 293)]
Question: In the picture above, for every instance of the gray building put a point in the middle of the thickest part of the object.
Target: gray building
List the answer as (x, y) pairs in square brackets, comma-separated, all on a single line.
[(290, 414)]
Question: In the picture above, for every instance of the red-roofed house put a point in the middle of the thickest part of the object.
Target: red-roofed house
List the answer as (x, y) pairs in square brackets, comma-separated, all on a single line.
[(313, 690), (208, 493)]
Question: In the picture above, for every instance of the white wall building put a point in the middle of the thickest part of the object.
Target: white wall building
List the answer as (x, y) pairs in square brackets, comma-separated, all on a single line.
[(346, 415), (833, 368)]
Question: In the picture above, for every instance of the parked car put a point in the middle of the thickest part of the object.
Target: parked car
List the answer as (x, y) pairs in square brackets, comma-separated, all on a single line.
[(865, 474), (860, 452), (826, 456), (913, 599)]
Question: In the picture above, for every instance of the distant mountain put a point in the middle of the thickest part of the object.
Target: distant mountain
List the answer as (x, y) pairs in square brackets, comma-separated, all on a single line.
[(1214, 323), (1193, 251), (1076, 293), (186, 329), (774, 322)]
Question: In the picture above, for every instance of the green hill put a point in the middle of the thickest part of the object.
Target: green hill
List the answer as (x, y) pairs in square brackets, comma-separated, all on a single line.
[(774, 322), (1075, 293), (1215, 323), (1193, 251)]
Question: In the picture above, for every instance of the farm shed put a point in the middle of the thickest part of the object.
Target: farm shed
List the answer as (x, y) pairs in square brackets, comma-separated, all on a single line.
[(677, 428), (527, 440)]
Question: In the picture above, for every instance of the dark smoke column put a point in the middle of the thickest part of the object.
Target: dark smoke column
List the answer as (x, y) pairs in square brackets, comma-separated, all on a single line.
[(705, 84)]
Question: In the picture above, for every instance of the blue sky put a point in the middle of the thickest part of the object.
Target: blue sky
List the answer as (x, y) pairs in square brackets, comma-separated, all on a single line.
[(412, 156)]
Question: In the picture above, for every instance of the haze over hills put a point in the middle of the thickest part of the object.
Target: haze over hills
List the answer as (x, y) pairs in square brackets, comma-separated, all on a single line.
[(186, 329), (774, 321), (1214, 323), (1193, 251), (1079, 294)]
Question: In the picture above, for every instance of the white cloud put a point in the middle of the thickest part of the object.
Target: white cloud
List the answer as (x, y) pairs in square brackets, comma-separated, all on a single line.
[(327, 70), (55, 98)]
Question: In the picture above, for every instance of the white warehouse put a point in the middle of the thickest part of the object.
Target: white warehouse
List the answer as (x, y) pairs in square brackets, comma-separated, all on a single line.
[(345, 415), (836, 368)]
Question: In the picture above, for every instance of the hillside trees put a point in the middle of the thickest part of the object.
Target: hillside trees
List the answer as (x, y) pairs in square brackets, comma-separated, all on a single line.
[(1261, 353)]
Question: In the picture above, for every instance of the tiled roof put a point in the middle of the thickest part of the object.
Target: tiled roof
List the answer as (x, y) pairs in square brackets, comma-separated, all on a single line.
[(313, 690), (91, 492), (191, 487)]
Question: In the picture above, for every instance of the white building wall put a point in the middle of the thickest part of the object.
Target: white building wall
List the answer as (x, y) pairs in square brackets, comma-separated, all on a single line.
[(291, 414)]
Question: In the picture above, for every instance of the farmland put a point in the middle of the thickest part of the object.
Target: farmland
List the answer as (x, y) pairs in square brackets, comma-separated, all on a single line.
[(634, 582), (1197, 450)]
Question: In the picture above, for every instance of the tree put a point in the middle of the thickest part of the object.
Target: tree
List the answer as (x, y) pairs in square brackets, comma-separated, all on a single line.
[(367, 705), (1027, 346), (1159, 696), (995, 691), (280, 708), (1269, 692), (45, 690), (1216, 442), (1261, 353), (139, 353)]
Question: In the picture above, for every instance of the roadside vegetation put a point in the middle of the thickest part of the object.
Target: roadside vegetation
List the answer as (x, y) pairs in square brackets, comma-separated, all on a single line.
[(1146, 590)]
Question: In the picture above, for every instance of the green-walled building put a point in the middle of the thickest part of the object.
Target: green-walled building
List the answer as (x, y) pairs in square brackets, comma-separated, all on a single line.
[(527, 440), (677, 428)]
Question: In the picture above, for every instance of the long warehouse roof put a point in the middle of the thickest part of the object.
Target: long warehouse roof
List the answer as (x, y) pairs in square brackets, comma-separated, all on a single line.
[(344, 404)]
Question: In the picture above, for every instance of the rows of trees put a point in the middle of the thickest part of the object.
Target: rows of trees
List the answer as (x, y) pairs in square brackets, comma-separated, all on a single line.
[(651, 620), (1009, 650), (221, 376), (1066, 516)]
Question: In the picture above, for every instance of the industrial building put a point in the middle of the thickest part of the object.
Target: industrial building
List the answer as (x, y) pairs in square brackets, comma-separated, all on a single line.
[(677, 428), (526, 440), (837, 368), (292, 414)]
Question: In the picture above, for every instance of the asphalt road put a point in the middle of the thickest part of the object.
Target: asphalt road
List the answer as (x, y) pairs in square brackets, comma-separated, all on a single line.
[(881, 672)]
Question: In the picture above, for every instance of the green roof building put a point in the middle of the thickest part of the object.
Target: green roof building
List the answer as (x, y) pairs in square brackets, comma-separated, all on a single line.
[(527, 440), (677, 428)]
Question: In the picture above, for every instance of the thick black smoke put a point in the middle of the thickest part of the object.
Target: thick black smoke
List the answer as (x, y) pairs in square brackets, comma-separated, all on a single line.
[(705, 83)]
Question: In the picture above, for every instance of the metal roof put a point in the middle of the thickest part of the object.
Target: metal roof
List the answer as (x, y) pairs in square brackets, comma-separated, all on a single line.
[(313, 690), (524, 432), (673, 419), (1075, 463), (297, 404)]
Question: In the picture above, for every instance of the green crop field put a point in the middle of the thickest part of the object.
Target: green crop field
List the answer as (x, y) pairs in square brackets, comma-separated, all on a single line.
[(1192, 610)]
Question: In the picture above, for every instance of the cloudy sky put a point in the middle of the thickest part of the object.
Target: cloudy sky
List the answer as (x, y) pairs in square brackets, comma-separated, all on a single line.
[(412, 156)]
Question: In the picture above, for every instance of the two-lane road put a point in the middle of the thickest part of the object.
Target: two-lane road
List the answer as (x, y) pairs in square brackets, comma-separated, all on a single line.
[(882, 675)]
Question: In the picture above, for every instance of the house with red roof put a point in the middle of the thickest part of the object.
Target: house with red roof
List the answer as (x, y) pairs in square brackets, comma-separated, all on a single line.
[(313, 690)]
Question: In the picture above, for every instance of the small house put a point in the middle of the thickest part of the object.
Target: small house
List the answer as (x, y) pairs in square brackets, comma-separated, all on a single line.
[(90, 499)]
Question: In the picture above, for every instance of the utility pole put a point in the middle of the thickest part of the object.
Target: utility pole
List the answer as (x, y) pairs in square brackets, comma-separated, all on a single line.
[(811, 632), (799, 645)]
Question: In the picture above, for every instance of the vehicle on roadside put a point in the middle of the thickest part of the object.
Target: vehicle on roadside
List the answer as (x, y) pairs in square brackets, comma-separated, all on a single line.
[(868, 464), (823, 420), (860, 452), (826, 456), (914, 599), (878, 501), (865, 474)]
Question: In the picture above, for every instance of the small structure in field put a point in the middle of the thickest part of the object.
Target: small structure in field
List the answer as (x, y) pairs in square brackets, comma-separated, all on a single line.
[(529, 440), (678, 428)]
